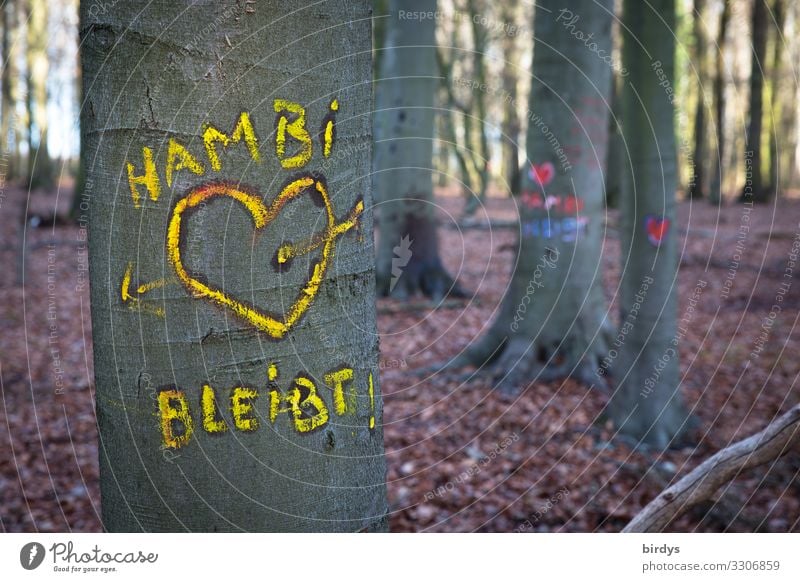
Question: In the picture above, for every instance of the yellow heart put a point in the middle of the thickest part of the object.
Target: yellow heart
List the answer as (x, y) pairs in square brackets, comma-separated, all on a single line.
[(275, 326)]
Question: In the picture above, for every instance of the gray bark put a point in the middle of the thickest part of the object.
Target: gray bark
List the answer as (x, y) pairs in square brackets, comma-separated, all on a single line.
[(646, 404), (552, 319), (158, 72), (701, 58)]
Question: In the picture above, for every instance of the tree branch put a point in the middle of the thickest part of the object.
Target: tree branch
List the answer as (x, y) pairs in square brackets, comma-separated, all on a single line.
[(699, 485)]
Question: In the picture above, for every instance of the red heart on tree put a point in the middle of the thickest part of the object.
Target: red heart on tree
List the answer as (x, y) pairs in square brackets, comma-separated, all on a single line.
[(543, 174), (657, 228)]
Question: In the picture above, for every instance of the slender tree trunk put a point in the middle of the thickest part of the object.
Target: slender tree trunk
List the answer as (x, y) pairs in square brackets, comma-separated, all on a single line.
[(40, 170), (715, 194), (481, 156), (408, 242), (6, 105), (615, 159), (552, 318), (777, 141), (754, 189), (701, 58), (232, 275), (646, 404)]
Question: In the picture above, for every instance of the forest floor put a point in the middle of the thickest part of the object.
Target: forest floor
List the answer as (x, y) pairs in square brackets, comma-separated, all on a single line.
[(461, 457)]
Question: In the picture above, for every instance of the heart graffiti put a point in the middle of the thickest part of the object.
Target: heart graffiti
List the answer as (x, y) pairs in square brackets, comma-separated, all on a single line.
[(657, 228), (543, 173), (276, 326)]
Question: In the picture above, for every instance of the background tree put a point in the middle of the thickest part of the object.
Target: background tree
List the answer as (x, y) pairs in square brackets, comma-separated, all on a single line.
[(715, 193), (754, 184), (511, 125), (777, 138), (41, 173), (701, 75), (646, 403), (404, 123), (552, 319), (215, 415)]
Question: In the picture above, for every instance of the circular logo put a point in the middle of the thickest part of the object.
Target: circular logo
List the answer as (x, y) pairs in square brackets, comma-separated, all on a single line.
[(31, 555)]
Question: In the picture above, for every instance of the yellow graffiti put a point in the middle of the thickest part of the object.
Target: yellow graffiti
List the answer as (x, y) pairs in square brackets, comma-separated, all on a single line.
[(337, 380), (212, 424), (149, 179), (242, 131), (242, 408), (179, 158), (371, 402), (132, 297), (296, 129), (275, 326), (299, 404), (174, 408)]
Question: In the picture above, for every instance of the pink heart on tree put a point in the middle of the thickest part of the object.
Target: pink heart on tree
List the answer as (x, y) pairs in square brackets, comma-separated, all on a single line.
[(657, 228), (542, 174)]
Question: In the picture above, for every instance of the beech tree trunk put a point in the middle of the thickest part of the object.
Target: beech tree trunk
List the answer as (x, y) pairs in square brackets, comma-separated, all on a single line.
[(552, 319), (715, 194), (699, 157), (511, 125), (408, 244), (646, 403), (232, 272), (754, 190), (777, 127), (40, 169)]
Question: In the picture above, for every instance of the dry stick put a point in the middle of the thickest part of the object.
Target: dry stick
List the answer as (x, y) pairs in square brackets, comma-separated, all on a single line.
[(700, 484)]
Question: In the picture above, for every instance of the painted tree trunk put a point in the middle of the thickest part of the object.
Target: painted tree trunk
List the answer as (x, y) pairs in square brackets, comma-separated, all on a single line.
[(232, 272), (646, 404), (754, 190), (552, 321), (715, 194), (408, 244)]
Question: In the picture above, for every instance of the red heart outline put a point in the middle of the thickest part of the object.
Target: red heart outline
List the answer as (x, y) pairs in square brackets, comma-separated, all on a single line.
[(543, 173)]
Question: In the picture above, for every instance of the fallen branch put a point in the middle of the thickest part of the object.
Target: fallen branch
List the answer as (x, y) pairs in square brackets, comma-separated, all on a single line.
[(699, 485)]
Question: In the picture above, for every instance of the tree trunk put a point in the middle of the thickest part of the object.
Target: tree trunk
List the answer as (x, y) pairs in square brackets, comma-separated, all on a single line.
[(552, 318), (701, 58), (232, 275), (615, 159), (6, 104), (754, 190), (408, 248), (776, 127), (715, 194), (646, 403), (511, 125), (40, 169)]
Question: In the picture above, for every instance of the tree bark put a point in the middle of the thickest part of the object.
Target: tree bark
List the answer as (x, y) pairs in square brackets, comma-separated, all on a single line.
[(511, 125), (552, 319), (408, 244), (700, 484), (754, 190), (715, 194), (6, 103), (232, 272), (643, 360)]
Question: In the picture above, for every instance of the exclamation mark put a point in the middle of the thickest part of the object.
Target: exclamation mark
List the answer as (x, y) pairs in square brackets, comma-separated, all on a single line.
[(329, 131), (371, 402)]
